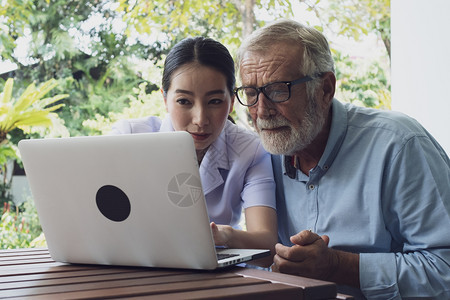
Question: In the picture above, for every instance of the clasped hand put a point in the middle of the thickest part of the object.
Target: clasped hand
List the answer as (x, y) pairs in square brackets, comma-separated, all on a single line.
[(310, 256)]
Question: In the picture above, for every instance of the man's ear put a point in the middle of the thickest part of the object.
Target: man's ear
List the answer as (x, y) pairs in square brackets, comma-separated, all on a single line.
[(328, 86)]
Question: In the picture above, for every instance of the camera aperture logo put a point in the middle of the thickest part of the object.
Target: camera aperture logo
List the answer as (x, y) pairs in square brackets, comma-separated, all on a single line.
[(184, 190)]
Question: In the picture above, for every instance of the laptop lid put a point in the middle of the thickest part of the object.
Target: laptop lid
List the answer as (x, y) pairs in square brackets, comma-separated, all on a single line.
[(131, 200)]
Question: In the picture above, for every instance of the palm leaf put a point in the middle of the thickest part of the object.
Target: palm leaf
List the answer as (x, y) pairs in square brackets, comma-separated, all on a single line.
[(7, 92), (32, 118), (28, 91), (30, 109), (47, 101), (46, 87), (54, 107), (26, 99)]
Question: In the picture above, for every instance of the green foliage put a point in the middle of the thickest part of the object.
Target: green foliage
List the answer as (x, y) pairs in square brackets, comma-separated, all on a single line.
[(20, 227), (177, 19), (29, 109), (7, 154), (78, 43), (141, 105), (356, 19), (362, 82), (47, 24), (174, 20), (89, 98)]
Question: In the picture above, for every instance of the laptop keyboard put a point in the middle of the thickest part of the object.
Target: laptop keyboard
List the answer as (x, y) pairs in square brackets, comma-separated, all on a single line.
[(225, 255)]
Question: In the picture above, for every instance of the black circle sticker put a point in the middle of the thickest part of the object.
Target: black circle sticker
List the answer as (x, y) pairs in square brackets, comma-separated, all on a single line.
[(113, 203)]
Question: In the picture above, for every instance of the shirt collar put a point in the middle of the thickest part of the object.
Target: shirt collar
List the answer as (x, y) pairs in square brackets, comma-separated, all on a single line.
[(217, 154), (338, 130), (215, 160)]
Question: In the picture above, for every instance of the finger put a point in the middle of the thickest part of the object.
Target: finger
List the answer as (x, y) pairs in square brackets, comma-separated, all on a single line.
[(274, 268), (294, 253), (282, 265), (304, 237), (215, 232), (326, 239), (281, 249), (214, 228)]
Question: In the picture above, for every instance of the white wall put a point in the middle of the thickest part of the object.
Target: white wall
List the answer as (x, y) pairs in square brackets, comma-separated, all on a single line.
[(420, 61)]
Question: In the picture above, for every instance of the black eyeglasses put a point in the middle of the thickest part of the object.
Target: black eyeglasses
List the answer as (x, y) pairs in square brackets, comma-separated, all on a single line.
[(275, 91)]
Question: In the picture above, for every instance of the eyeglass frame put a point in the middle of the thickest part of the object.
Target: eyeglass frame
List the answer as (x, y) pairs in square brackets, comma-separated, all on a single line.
[(261, 89)]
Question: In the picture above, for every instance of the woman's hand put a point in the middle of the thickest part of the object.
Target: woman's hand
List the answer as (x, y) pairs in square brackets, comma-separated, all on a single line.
[(221, 234), (261, 233)]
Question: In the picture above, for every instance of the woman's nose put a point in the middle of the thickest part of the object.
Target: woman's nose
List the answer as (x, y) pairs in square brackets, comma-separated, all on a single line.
[(200, 117)]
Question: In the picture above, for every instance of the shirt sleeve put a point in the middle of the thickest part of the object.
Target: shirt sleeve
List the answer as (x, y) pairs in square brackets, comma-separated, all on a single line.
[(141, 125), (416, 208), (259, 184), (121, 127)]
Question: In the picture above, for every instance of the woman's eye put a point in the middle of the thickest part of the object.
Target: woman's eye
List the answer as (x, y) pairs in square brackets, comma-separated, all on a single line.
[(183, 101), (215, 101)]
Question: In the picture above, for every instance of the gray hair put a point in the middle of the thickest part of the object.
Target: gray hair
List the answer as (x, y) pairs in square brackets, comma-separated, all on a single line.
[(316, 51)]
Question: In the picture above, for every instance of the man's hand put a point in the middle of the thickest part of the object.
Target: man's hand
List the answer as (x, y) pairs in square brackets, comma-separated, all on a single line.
[(311, 257)]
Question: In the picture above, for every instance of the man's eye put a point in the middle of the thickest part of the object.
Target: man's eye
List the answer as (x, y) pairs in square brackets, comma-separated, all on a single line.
[(279, 94), (250, 93)]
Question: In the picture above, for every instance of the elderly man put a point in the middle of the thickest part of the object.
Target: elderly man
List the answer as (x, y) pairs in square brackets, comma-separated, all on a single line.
[(363, 195)]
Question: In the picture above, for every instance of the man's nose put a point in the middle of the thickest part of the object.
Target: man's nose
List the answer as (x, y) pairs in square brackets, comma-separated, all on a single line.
[(264, 107)]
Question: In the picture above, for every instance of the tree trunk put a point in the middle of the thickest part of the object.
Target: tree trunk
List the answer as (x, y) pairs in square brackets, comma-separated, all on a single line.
[(245, 7), (248, 18)]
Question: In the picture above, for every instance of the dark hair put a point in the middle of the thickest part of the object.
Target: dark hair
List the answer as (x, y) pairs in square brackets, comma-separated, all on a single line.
[(204, 51)]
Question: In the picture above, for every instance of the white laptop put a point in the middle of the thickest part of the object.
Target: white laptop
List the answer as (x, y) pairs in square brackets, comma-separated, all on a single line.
[(133, 200)]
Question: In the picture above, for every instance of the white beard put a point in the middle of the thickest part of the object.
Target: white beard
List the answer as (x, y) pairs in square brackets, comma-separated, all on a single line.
[(293, 139)]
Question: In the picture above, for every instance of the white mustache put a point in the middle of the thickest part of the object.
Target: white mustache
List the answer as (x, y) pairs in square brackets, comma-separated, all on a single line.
[(271, 123)]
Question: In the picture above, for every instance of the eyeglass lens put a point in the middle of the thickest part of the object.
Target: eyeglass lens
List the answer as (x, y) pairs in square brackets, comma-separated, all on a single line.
[(277, 92)]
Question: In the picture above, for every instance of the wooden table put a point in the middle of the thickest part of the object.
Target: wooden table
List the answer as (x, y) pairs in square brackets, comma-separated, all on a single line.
[(32, 274)]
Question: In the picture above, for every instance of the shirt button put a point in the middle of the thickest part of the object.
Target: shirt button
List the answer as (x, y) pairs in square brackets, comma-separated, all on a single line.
[(311, 187)]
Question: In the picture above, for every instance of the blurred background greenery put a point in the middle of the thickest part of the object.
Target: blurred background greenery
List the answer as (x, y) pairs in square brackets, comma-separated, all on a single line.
[(104, 60)]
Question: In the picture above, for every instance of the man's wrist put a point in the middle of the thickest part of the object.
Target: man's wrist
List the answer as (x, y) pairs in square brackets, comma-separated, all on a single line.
[(344, 268), (334, 263)]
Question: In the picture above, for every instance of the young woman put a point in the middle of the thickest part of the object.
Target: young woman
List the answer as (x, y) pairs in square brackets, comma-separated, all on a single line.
[(236, 172)]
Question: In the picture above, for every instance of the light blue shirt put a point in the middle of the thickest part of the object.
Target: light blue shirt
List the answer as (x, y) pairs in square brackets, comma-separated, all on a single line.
[(236, 171), (381, 189)]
